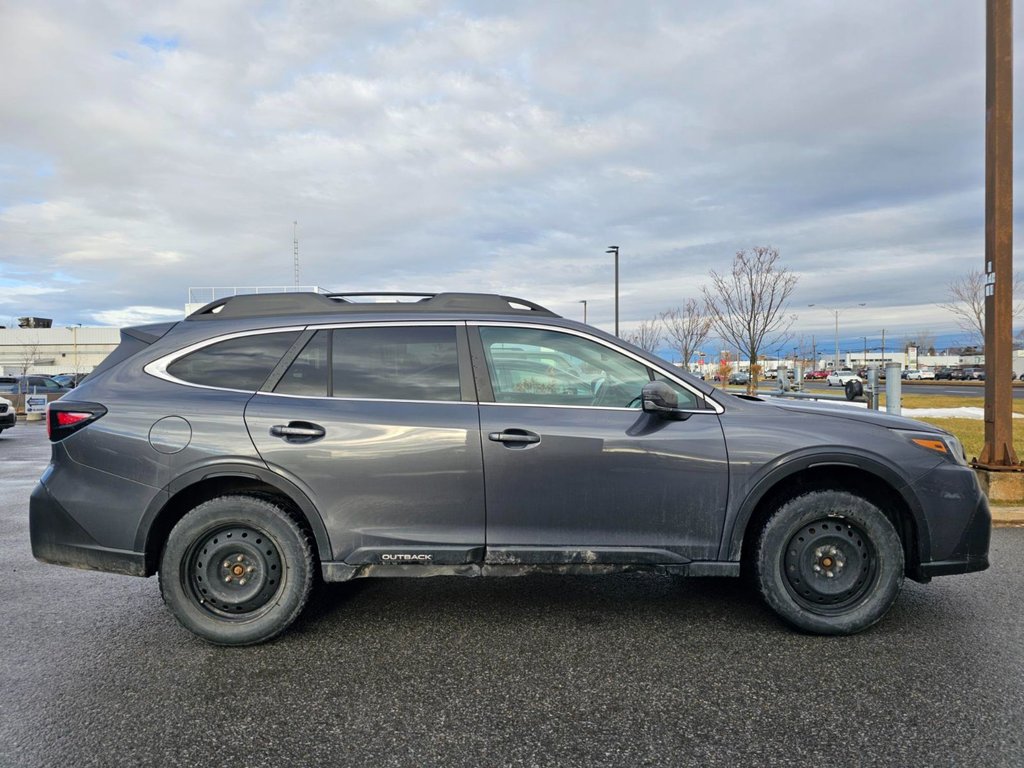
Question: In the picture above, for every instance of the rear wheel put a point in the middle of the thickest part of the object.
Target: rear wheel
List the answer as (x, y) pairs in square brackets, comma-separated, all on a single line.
[(236, 570), (829, 562)]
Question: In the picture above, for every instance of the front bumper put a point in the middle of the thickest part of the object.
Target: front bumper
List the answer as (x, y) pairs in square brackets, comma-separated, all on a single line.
[(971, 551), (57, 538), (8, 419), (959, 523)]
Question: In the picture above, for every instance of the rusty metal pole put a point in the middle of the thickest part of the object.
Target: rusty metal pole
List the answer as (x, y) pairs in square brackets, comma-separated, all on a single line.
[(998, 451)]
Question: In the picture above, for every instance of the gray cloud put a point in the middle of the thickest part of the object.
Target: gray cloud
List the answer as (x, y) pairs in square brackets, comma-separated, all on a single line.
[(489, 146)]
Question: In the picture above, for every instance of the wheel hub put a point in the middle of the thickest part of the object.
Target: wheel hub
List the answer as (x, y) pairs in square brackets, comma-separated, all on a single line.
[(829, 562)]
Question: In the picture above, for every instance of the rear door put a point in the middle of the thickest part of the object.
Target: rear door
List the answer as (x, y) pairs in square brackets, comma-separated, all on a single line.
[(575, 471), (378, 423)]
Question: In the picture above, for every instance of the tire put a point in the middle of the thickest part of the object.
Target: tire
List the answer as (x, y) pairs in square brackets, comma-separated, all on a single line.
[(236, 570), (825, 532), (853, 389)]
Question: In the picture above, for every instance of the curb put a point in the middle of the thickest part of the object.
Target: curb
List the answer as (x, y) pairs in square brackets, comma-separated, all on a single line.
[(1007, 517)]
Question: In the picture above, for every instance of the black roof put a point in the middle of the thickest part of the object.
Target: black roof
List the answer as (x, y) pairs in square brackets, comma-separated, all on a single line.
[(307, 303)]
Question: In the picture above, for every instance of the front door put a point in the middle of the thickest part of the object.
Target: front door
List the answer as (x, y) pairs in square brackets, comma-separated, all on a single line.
[(575, 471), (378, 424)]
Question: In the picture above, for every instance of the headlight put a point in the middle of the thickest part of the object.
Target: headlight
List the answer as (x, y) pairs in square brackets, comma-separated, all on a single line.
[(941, 443)]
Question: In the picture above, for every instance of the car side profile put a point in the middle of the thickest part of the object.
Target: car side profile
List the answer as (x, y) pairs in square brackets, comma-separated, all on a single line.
[(269, 441), (841, 377)]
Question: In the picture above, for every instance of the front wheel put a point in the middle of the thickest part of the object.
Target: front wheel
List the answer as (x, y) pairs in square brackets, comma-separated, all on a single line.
[(236, 570), (829, 562)]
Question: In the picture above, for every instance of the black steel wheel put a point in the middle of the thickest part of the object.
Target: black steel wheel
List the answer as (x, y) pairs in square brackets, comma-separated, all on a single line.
[(236, 570), (233, 572), (829, 562)]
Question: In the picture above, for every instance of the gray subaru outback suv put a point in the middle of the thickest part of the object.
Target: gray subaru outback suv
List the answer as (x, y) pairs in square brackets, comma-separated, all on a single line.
[(270, 440)]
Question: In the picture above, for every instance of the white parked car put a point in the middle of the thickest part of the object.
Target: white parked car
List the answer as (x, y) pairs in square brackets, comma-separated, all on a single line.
[(7, 417), (840, 377), (927, 374), (912, 374)]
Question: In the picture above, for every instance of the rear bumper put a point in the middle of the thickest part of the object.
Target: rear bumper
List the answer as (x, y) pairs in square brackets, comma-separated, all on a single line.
[(57, 538)]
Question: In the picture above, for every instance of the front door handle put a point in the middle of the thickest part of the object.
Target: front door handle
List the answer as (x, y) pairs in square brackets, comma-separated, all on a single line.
[(514, 436), (298, 431)]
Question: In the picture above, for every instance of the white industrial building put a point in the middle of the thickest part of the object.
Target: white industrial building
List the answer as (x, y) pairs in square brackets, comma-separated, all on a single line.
[(79, 349), (50, 351)]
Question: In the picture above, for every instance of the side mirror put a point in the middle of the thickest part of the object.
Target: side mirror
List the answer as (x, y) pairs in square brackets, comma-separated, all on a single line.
[(660, 399)]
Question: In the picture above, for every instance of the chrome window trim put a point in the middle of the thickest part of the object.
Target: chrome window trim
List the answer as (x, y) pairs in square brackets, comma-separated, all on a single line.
[(367, 399), (158, 367), (700, 396)]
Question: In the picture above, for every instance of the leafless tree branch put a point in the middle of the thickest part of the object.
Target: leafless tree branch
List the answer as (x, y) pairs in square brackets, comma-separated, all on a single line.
[(747, 306), (647, 335), (687, 328)]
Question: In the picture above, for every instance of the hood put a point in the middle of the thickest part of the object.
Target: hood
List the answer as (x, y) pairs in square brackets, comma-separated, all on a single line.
[(850, 413)]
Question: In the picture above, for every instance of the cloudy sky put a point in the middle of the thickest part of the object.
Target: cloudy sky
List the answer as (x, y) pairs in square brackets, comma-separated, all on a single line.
[(491, 146)]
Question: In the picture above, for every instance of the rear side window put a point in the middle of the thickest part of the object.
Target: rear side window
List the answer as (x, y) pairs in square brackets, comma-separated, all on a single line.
[(242, 363), (398, 363)]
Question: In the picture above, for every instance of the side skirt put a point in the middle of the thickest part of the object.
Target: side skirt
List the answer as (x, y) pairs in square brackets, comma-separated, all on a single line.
[(335, 572)]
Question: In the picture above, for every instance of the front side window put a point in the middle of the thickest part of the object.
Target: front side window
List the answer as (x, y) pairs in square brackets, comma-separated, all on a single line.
[(241, 363), (536, 366)]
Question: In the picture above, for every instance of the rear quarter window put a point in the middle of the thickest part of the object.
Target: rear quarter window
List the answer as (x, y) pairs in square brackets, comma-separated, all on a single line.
[(241, 363)]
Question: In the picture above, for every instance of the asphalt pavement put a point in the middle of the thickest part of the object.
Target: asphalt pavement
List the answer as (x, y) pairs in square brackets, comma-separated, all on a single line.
[(534, 671)]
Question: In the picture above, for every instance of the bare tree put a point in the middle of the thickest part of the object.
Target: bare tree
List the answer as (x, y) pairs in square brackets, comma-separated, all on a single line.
[(687, 327), (966, 301), (747, 305), (647, 335), (29, 353)]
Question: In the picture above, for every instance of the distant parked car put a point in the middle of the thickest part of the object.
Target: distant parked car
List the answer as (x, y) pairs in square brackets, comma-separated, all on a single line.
[(840, 377), (911, 374), (20, 385), (816, 375), (930, 375), (69, 380), (7, 417), (974, 374), (739, 377)]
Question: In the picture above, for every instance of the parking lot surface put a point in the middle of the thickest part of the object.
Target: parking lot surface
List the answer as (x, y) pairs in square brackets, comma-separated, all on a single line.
[(541, 670)]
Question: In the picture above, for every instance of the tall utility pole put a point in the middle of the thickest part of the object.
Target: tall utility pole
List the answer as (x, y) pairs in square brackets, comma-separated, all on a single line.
[(295, 250), (615, 249), (835, 311), (998, 452)]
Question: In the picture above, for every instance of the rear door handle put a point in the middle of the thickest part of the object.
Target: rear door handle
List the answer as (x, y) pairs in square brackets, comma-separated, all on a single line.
[(298, 431), (514, 436)]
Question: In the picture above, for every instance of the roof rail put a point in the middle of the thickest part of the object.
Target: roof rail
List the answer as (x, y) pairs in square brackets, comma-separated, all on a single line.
[(271, 304)]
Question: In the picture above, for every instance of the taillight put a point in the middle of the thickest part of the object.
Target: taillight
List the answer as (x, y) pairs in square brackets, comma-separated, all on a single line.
[(65, 418)]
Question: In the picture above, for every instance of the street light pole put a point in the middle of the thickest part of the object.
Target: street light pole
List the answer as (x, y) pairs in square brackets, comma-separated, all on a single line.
[(74, 335), (584, 303), (614, 249)]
